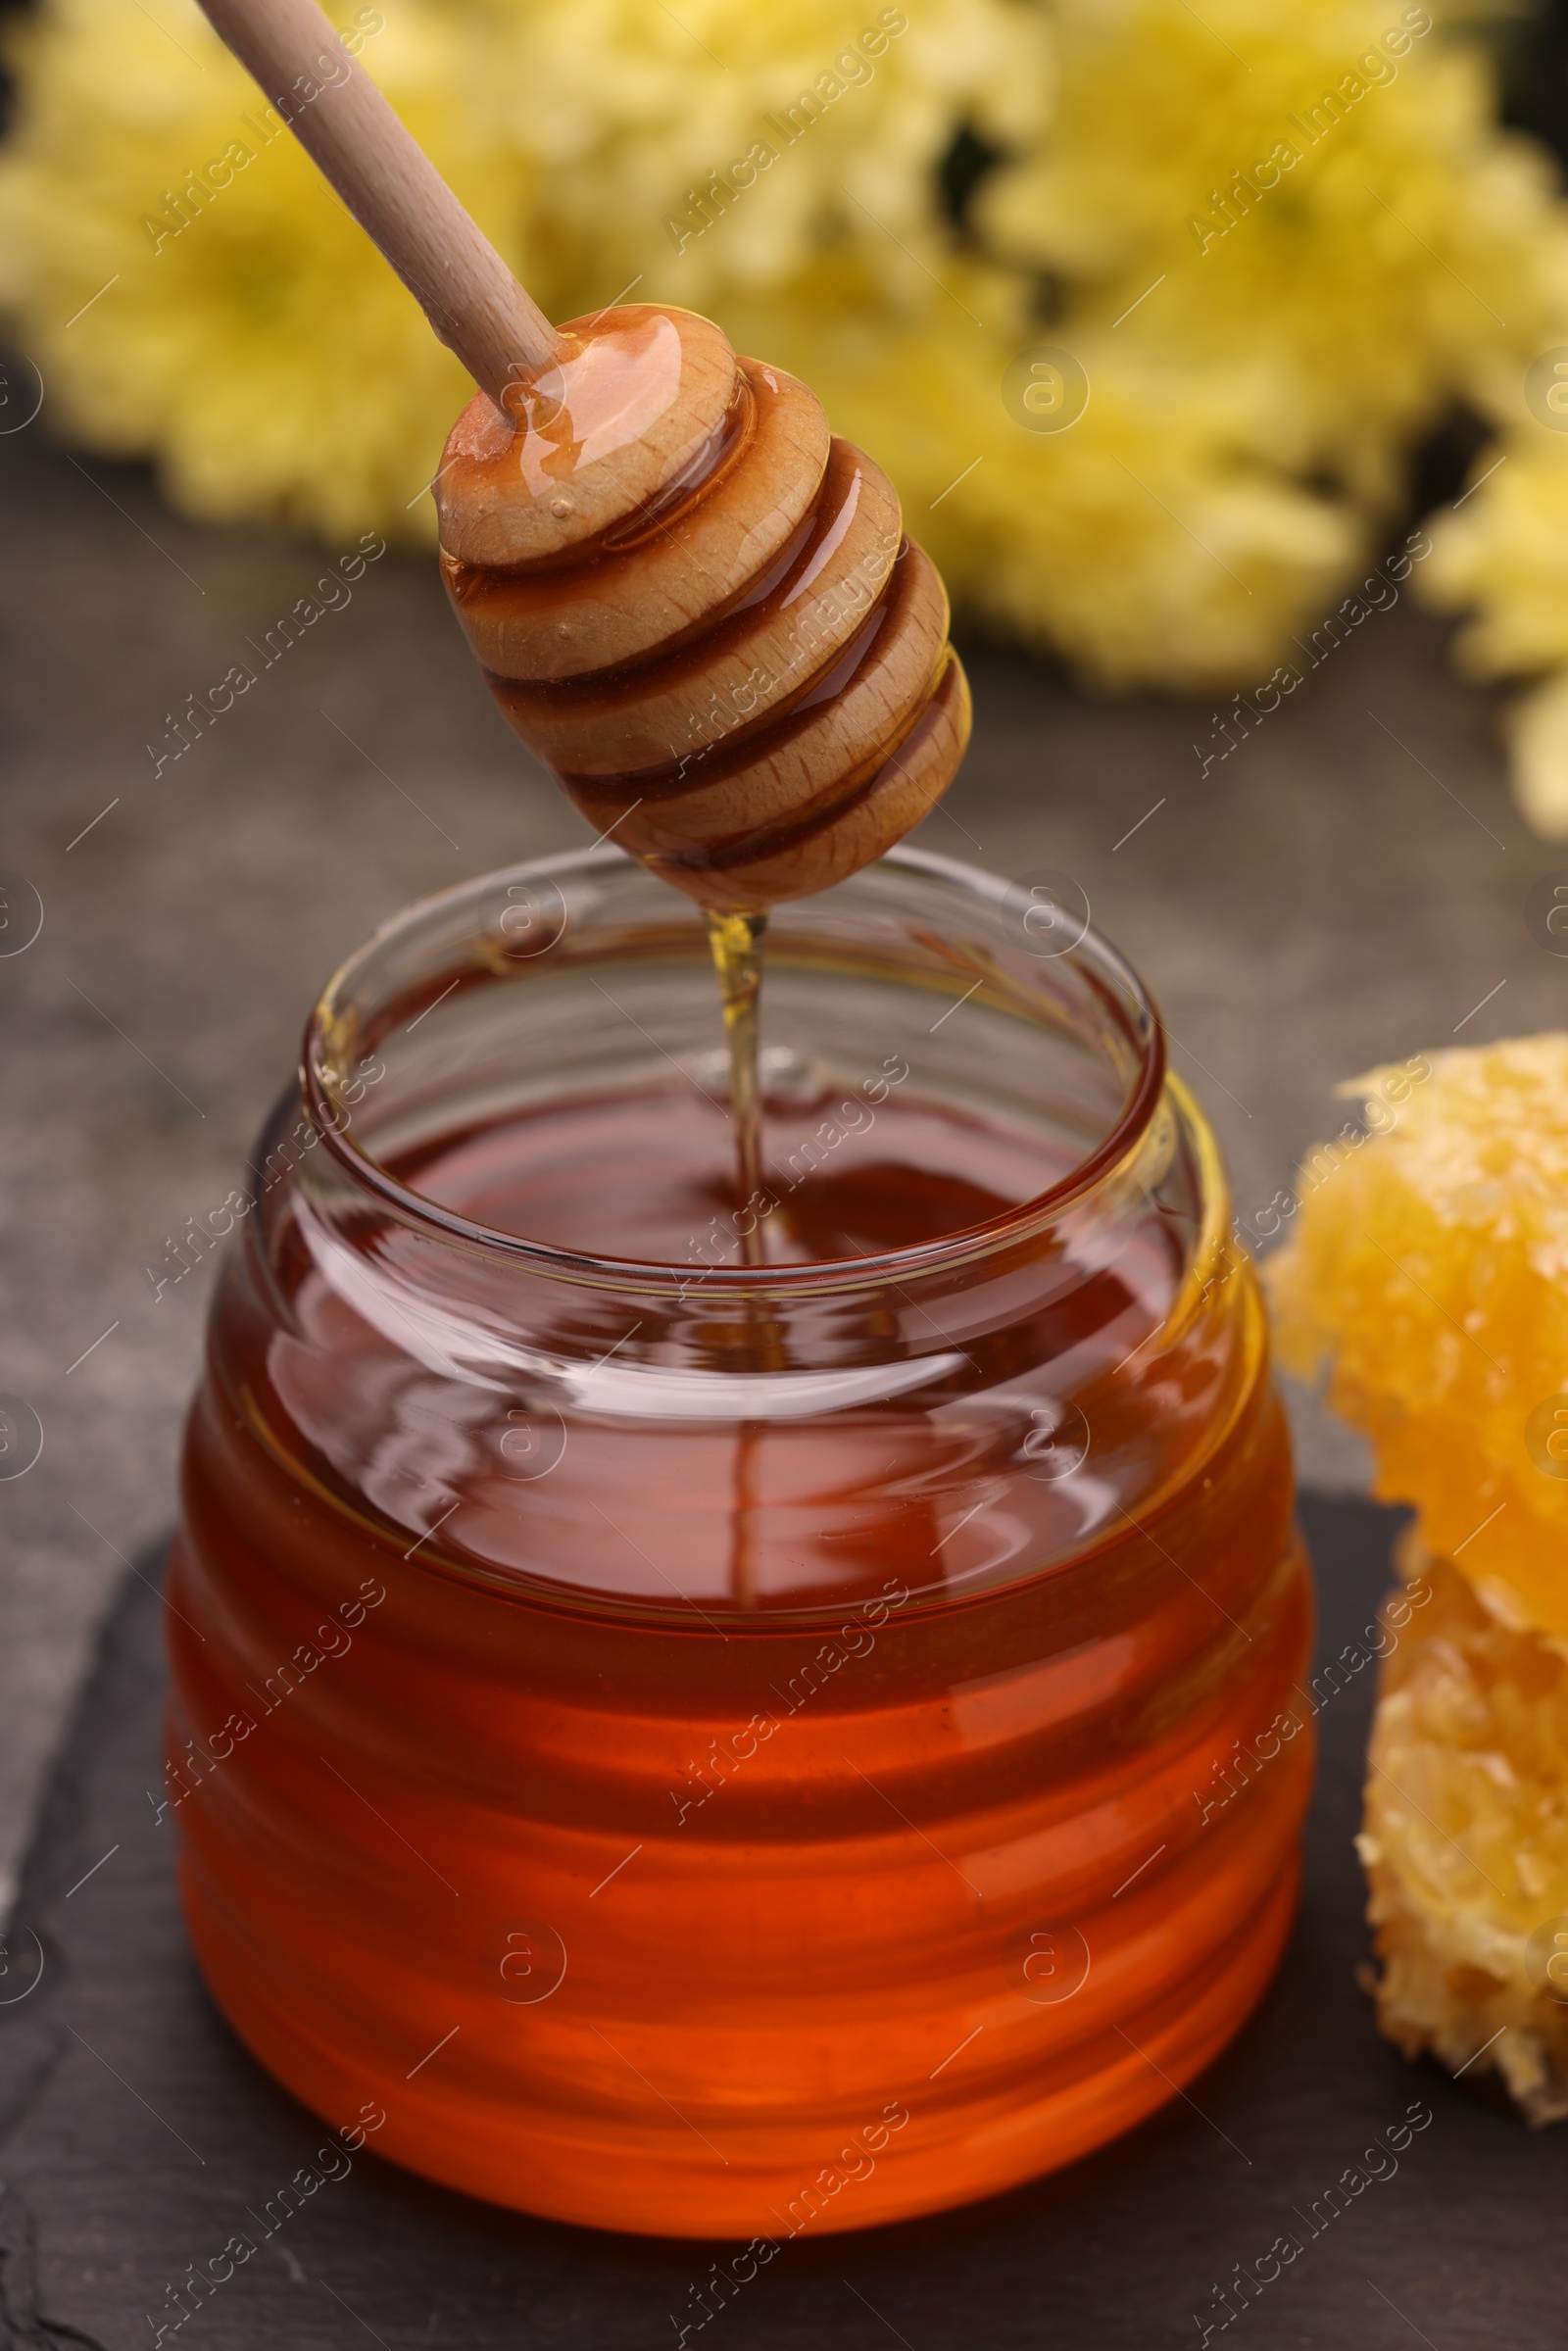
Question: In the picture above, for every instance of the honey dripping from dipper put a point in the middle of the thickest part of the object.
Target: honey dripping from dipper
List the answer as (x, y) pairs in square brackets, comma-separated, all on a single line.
[(692, 602), (696, 606)]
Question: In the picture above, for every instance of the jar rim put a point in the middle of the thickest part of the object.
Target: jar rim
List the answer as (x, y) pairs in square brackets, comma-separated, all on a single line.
[(1111, 979)]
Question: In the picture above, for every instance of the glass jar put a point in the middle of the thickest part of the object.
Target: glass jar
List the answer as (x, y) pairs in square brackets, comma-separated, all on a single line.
[(717, 1750)]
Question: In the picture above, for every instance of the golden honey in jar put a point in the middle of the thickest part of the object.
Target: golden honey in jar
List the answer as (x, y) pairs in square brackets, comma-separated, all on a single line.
[(729, 1749)]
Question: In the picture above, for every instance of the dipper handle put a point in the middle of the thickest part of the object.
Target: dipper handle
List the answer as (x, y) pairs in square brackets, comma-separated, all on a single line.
[(392, 188)]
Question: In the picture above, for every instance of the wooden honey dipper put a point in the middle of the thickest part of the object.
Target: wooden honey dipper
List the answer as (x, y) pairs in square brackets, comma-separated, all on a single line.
[(691, 601), (696, 606)]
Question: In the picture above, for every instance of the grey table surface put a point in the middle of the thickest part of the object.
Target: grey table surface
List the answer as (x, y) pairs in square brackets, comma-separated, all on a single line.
[(1345, 888)]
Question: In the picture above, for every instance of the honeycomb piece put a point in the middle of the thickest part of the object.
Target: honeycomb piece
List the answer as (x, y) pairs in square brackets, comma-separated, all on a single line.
[(1428, 1268), (1428, 1263), (1465, 1843)]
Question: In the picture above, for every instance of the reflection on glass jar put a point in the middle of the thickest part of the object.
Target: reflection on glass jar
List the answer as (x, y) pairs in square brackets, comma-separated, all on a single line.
[(649, 1724)]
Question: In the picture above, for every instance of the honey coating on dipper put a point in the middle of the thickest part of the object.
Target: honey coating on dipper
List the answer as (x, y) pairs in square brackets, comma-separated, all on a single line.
[(698, 607), (1428, 1266)]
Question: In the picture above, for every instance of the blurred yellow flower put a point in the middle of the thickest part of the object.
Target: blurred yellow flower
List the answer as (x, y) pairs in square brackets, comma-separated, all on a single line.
[(239, 329), (1156, 541), (1321, 183), (633, 118), (1259, 337), (1502, 558), (1502, 555), (1536, 730)]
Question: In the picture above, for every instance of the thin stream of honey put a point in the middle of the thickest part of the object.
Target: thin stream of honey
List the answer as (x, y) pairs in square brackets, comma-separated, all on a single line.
[(736, 944)]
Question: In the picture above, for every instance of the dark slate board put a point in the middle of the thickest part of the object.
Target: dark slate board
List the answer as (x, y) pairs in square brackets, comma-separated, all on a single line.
[(135, 2133)]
